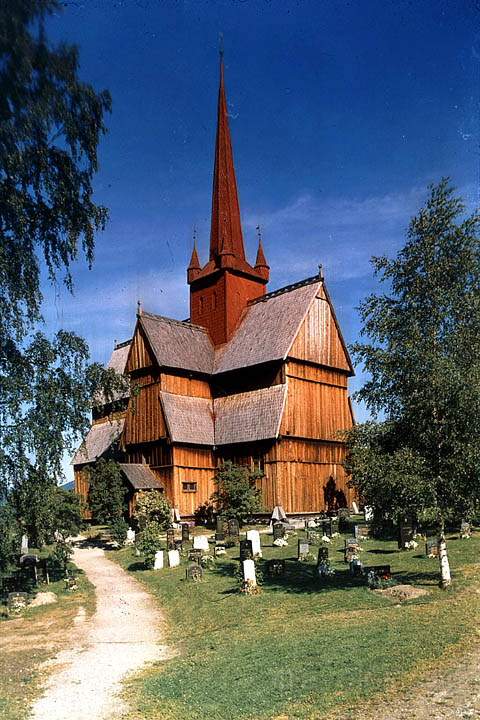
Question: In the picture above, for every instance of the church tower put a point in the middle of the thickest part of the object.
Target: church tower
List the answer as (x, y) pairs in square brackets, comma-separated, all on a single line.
[(220, 291)]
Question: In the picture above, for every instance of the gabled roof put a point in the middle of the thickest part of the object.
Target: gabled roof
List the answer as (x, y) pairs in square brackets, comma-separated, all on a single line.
[(268, 327), (99, 439), (118, 358), (141, 477), (189, 419), (249, 416), (177, 344)]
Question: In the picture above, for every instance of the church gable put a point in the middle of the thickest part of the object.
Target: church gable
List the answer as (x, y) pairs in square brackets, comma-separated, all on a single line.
[(140, 356), (319, 339)]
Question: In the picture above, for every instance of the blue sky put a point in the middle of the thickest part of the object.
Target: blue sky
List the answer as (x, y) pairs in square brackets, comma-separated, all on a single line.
[(341, 114)]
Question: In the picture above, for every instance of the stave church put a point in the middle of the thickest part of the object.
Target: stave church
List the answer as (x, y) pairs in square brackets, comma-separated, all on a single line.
[(254, 376)]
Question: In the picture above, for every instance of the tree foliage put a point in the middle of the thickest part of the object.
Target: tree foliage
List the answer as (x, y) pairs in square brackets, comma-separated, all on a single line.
[(107, 493), (423, 362), (236, 495)]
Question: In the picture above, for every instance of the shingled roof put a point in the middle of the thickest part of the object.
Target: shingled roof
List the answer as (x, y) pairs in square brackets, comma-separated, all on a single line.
[(141, 477), (178, 344), (268, 328), (100, 437), (249, 416), (189, 419)]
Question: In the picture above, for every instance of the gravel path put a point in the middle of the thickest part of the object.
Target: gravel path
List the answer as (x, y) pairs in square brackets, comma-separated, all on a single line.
[(122, 635)]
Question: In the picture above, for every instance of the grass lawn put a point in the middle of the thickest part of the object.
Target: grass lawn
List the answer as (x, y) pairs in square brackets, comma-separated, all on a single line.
[(37, 635), (304, 645)]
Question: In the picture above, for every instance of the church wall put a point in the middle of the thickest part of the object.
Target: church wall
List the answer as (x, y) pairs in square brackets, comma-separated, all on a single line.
[(193, 473), (82, 487), (208, 306), (185, 385), (144, 421)]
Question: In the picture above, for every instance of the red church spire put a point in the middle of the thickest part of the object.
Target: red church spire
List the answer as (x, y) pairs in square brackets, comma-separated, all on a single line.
[(226, 237), (194, 266)]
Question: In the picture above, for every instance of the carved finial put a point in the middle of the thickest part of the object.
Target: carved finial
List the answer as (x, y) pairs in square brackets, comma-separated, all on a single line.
[(259, 233), (320, 272), (221, 48), (139, 308)]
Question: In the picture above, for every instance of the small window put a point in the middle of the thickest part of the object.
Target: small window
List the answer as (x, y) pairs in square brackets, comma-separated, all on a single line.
[(189, 487)]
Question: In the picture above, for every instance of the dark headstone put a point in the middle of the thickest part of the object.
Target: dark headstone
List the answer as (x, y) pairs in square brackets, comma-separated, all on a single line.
[(220, 521), (170, 539), (313, 537), (303, 549), (233, 529), (406, 532), (178, 545), (275, 567), (278, 530), (431, 547), (195, 555), (356, 567), (185, 533), (381, 571), (246, 551), (322, 555), (194, 572), (43, 574), (28, 564)]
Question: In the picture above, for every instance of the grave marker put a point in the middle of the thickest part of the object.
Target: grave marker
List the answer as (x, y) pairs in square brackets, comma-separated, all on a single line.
[(278, 531), (194, 572), (195, 555), (233, 530), (313, 537), (254, 537), (246, 550), (303, 549), (249, 575), (170, 539), (431, 547), (24, 545), (276, 567), (130, 539), (173, 558), (406, 532), (17, 601), (362, 532), (185, 532), (322, 555), (219, 550), (200, 542), (158, 562)]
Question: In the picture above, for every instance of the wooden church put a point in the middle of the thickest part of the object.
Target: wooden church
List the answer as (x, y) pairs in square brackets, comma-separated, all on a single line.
[(256, 377)]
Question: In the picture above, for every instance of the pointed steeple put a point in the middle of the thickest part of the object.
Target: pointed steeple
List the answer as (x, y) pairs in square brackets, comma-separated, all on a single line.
[(261, 265), (194, 266), (226, 239)]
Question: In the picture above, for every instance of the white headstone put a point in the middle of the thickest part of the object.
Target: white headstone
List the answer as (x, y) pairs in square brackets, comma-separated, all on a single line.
[(249, 572), (254, 537), (130, 537), (368, 512), (24, 546), (158, 565), (200, 542), (355, 508), (173, 558)]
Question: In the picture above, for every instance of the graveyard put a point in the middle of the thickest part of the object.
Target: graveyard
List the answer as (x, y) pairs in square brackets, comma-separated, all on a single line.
[(302, 646)]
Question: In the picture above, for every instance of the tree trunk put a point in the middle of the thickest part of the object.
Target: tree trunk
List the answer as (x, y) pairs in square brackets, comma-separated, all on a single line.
[(445, 577)]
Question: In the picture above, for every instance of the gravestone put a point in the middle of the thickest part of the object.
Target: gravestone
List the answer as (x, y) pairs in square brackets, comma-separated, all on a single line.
[(170, 539), (351, 550), (43, 574), (355, 508), (233, 530), (278, 531), (24, 545), (322, 555), (303, 549), (249, 575), (158, 562), (276, 567), (130, 539), (219, 537), (246, 551), (431, 547), (465, 529), (254, 537), (28, 564), (185, 533), (195, 555), (178, 544), (200, 542), (381, 571), (194, 572), (356, 567), (173, 558), (313, 537), (175, 516), (362, 532), (219, 550), (17, 601)]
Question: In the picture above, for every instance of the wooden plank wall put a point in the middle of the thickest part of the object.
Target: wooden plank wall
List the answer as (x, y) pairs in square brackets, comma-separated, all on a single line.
[(145, 421), (318, 340), (140, 355), (184, 385), (192, 464)]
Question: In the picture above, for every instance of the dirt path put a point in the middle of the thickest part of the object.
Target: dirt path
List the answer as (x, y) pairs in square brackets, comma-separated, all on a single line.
[(122, 635)]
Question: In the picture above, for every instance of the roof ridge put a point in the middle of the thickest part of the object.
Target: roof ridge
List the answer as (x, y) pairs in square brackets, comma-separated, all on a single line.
[(174, 321), (122, 344), (287, 288)]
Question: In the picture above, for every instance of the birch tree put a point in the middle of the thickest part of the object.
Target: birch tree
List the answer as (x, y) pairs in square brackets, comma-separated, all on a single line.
[(422, 357)]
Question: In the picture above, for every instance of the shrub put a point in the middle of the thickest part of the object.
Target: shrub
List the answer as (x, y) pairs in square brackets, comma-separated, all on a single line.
[(107, 493), (118, 530), (149, 542), (237, 495), (152, 506), (61, 556)]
